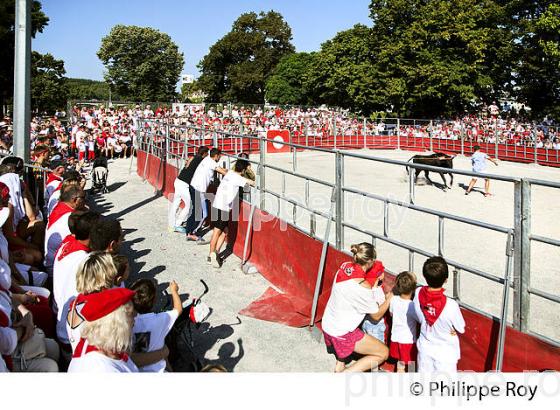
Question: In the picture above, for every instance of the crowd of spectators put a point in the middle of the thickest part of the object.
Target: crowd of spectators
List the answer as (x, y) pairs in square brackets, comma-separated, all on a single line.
[(320, 122)]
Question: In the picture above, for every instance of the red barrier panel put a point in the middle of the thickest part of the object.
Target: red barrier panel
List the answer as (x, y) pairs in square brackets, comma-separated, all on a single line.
[(289, 260), (275, 139)]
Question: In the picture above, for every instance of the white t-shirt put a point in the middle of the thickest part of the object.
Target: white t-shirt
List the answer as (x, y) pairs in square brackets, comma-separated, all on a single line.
[(203, 174), (437, 341), (228, 191), (403, 329), (64, 288), (149, 331), (54, 237), (478, 160), (95, 362), (347, 306)]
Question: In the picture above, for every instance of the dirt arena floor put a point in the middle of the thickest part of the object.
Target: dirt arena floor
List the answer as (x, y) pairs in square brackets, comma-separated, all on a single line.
[(472, 246)]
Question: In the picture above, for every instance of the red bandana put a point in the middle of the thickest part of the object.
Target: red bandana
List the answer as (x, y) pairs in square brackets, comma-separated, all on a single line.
[(58, 212), (351, 270), (431, 303), (70, 245), (52, 177), (80, 351)]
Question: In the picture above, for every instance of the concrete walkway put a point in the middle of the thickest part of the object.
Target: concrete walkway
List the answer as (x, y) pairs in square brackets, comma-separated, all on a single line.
[(240, 343)]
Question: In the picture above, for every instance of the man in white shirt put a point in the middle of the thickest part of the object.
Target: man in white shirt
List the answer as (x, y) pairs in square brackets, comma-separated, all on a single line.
[(200, 182), (73, 250), (440, 321), (71, 200)]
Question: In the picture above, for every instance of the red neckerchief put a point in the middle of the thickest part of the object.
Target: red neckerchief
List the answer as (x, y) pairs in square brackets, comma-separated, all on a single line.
[(80, 351), (52, 177), (431, 303), (58, 212), (70, 245), (351, 270)]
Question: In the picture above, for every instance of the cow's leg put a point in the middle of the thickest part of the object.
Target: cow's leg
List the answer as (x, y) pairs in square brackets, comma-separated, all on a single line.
[(427, 174), (451, 183), (416, 173), (444, 180)]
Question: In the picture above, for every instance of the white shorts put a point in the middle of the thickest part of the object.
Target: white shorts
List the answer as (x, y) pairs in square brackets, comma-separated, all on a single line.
[(427, 364)]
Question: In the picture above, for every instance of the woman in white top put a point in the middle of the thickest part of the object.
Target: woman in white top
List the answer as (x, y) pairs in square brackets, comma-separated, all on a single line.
[(350, 301)]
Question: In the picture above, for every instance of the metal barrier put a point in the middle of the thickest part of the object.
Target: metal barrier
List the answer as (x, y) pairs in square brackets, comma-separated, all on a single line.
[(517, 238)]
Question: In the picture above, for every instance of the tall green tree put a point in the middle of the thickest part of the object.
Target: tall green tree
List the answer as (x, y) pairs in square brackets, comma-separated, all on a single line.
[(142, 63), (7, 40), (342, 72), (437, 57), (48, 87), (536, 27), (237, 66), (288, 83)]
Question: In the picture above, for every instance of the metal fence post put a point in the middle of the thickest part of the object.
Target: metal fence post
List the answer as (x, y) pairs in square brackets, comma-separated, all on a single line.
[(496, 138), (430, 133), (262, 170), (339, 183), (535, 147), (398, 133), (522, 254)]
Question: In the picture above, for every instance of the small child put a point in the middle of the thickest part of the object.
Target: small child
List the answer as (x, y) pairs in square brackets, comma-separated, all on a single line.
[(376, 328), (150, 329), (82, 147), (91, 148), (440, 320), (403, 328)]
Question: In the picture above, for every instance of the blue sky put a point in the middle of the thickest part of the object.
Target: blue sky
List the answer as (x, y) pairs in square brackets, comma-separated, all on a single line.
[(76, 27)]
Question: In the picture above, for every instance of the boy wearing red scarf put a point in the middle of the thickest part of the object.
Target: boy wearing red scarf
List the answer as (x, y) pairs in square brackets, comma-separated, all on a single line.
[(440, 320)]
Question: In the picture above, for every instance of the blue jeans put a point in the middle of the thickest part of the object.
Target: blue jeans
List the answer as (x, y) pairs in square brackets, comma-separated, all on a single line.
[(375, 329), (199, 211)]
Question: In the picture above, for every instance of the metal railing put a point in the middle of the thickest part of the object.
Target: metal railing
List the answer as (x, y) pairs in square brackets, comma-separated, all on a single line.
[(157, 138)]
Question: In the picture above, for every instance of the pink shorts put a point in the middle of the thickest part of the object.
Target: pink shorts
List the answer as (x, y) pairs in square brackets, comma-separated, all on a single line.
[(403, 352), (344, 345)]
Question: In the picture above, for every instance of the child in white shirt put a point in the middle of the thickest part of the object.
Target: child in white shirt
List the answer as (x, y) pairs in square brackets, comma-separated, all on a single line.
[(150, 329), (404, 324), (440, 321)]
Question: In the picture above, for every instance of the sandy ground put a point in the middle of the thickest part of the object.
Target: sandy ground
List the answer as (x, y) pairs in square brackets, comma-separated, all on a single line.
[(237, 342), (469, 245)]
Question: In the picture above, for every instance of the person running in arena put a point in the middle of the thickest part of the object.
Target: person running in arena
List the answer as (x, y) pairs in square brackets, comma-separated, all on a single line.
[(350, 301), (478, 160)]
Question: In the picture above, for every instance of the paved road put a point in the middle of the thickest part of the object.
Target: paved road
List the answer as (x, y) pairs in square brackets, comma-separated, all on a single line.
[(239, 343)]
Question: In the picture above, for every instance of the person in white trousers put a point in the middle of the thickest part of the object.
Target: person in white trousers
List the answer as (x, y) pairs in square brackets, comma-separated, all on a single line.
[(183, 192)]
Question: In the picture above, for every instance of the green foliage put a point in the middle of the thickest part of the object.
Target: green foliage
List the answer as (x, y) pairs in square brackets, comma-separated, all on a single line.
[(537, 28), (48, 88), (342, 72), (142, 63), (82, 89), (191, 93), (439, 56), (288, 83), (7, 39), (237, 66)]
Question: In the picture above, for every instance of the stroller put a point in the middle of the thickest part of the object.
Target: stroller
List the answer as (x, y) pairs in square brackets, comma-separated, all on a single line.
[(99, 174), (182, 355)]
